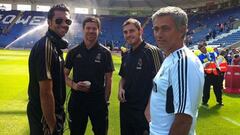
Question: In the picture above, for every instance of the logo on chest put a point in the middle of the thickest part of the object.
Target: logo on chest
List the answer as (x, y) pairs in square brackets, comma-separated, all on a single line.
[(98, 58), (79, 56), (139, 64)]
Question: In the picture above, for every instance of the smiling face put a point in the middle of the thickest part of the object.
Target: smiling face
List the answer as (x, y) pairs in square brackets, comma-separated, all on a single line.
[(62, 28), (91, 32), (167, 36), (132, 35)]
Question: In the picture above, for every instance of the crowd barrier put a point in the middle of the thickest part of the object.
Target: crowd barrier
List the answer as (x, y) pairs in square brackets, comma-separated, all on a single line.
[(232, 79)]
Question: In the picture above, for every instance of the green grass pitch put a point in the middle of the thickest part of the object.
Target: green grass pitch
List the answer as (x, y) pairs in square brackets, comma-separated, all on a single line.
[(13, 99)]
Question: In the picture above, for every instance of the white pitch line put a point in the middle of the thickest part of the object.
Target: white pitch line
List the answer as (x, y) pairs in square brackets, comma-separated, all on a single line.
[(231, 121)]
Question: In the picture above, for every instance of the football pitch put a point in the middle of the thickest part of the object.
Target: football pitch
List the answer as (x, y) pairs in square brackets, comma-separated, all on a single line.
[(13, 100)]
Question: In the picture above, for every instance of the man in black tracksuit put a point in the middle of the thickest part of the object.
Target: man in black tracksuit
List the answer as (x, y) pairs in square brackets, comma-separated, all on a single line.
[(139, 66), (47, 88), (91, 84)]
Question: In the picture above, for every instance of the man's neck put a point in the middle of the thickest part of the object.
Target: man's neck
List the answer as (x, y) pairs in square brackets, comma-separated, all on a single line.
[(88, 44), (171, 50), (134, 47), (53, 33)]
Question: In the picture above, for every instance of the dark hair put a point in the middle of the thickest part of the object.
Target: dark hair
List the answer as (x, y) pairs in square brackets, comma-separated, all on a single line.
[(92, 19), (236, 56), (133, 21), (201, 45), (57, 7), (223, 52)]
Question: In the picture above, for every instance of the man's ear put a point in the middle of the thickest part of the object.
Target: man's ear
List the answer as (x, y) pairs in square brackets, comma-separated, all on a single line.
[(141, 31), (183, 30)]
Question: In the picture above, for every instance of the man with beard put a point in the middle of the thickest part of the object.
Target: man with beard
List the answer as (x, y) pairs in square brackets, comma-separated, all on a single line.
[(139, 65), (47, 88), (91, 84)]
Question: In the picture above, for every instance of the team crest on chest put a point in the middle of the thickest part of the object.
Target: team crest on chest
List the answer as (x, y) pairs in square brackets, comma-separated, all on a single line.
[(139, 64), (79, 56), (98, 58)]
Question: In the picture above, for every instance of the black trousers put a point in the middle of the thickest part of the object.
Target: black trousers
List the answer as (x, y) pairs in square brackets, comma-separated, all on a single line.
[(80, 108), (221, 78), (133, 122), (37, 122), (211, 79)]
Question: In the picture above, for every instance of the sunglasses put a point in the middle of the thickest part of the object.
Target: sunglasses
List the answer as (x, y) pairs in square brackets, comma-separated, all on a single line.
[(60, 21)]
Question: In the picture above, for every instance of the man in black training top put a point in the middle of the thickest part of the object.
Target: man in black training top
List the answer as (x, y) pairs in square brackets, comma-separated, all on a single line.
[(91, 84), (139, 66), (47, 88)]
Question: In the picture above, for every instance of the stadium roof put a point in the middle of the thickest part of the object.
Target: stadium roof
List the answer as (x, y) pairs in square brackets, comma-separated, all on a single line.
[(118, 4)]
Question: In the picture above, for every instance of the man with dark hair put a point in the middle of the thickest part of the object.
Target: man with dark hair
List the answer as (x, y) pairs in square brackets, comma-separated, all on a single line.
[(91, 84), (47, 89), (208, 57), (93, 20), (139, 65)]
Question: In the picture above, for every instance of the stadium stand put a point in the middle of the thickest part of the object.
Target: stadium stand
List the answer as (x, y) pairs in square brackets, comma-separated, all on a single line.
[(228, 40), (209, 22), (16, 27)]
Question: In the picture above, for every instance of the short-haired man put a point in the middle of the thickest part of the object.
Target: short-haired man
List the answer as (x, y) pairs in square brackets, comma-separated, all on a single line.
[(208, 57), (179, 83), (92, 80), (139, 65), (47, 88)]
